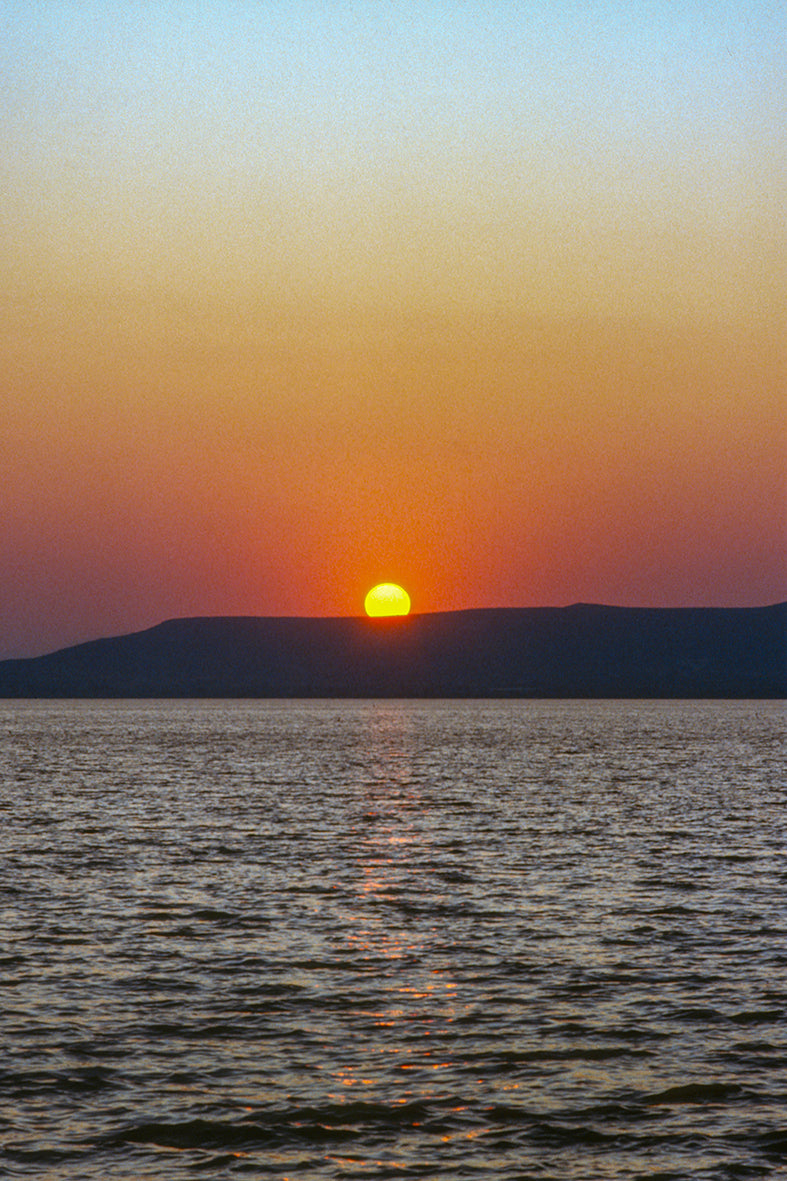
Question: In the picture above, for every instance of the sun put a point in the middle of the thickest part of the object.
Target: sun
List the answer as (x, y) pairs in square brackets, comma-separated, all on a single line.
[(387, 599)]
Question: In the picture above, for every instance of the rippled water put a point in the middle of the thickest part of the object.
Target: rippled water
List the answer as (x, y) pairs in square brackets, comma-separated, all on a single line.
[(391, 939)]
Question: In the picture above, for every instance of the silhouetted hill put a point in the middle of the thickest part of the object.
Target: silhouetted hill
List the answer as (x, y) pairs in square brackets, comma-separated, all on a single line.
[(579, 651)]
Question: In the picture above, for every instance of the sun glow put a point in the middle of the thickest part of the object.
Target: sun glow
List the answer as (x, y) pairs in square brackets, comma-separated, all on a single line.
[(387, 599)]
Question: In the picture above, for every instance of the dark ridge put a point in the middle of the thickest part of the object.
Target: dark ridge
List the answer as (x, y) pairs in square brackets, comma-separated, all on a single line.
[(584, 650)]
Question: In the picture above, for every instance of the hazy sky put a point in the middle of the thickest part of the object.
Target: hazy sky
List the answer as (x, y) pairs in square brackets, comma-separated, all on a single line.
[(483, 298)]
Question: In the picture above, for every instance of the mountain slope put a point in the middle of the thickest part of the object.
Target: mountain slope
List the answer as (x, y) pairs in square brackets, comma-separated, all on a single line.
[(579, 651)]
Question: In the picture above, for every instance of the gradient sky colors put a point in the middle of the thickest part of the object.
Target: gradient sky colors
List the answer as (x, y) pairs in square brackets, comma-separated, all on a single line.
[(482, 298)]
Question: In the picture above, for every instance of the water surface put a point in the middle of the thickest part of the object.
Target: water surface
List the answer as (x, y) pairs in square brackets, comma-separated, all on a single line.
[(393, 939)]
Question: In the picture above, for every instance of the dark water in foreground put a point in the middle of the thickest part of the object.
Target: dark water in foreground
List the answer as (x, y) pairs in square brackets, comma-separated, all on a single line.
[(393, 939)]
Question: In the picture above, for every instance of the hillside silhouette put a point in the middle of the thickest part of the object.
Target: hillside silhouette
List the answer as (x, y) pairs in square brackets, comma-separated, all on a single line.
[(579, 651)]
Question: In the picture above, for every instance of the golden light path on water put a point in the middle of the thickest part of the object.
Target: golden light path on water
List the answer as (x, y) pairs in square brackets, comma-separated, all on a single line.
[(393, 847)]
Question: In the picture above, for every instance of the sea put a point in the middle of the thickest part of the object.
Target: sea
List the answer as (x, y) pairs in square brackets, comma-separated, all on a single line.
[(393, 939)]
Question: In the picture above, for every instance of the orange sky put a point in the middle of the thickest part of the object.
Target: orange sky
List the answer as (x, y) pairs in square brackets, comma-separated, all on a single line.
[(297, 305)]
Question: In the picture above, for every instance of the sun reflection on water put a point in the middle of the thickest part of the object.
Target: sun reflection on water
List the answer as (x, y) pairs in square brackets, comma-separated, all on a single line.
[(391, 933)]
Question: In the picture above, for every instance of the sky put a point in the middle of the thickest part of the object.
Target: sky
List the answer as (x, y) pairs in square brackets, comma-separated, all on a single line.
[(486, 299)]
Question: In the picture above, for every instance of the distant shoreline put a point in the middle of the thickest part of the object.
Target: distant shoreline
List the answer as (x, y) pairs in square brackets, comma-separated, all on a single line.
[(582, 651)]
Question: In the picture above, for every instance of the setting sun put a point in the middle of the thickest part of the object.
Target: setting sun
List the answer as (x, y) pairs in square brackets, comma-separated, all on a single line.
[(387, 599)]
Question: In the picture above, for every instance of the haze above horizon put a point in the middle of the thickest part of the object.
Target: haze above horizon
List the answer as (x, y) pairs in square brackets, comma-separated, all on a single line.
[(484, 302)]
